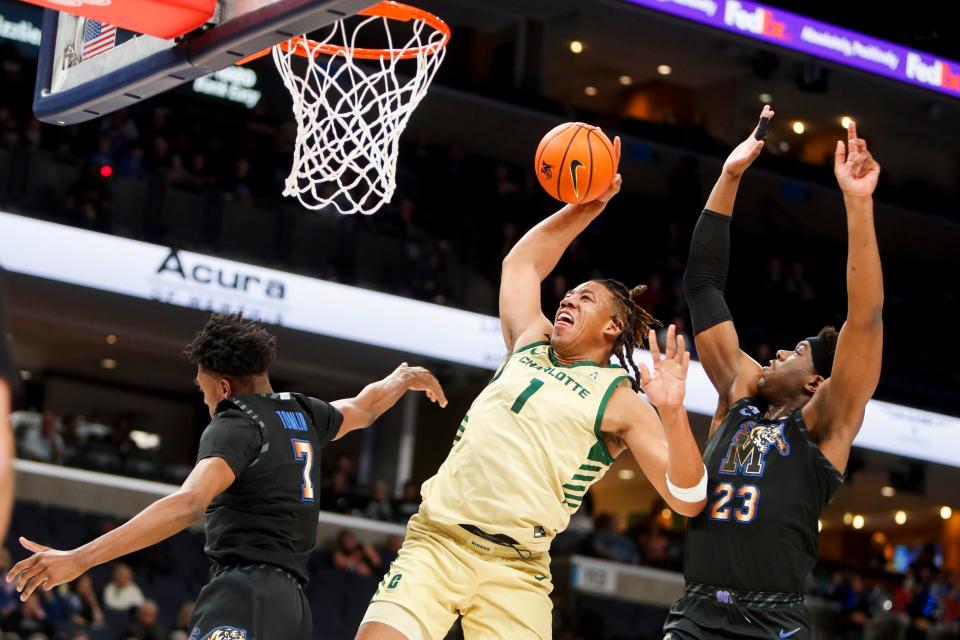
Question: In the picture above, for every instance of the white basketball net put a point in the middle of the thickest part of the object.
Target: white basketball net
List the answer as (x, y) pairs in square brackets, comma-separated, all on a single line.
[(350, 113)]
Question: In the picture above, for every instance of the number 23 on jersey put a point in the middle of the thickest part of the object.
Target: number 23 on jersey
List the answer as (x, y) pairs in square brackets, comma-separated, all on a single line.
[(725, 493)]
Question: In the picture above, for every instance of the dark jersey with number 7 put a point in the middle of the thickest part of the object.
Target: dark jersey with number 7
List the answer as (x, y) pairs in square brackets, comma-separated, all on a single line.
[(768, 484), (269, 514)]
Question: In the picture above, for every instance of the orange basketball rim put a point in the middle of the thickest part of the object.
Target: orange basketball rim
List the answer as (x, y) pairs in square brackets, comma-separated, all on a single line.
[(388, 9)]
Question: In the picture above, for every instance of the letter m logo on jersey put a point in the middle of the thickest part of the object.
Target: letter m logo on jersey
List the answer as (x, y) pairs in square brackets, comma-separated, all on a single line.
[(749, 448)]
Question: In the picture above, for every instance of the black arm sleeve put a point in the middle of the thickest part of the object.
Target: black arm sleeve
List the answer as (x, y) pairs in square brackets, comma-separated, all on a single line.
[(232, 436), (705, 277)]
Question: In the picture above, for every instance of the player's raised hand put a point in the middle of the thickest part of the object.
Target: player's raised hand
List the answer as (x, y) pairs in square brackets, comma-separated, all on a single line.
[(46, 568), (420, 379), (747, 151), (856, 170), (667, 386), (615, 185)]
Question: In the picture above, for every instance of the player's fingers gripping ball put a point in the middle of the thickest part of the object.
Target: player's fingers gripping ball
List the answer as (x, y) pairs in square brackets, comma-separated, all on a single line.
[(576, 163)]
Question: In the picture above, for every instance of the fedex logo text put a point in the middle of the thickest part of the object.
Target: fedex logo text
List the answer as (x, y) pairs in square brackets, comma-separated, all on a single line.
[(760, 21), (936, 74)]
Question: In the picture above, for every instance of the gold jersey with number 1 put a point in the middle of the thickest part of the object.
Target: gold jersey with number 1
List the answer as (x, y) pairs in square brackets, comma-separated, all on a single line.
[(528, 449)]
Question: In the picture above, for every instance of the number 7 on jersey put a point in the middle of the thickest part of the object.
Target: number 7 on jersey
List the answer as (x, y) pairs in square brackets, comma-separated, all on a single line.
[(303, 451)]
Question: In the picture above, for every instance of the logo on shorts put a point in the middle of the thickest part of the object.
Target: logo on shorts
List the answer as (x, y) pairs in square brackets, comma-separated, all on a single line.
[(220, 633), (784, 634), (394, 581), (538, 532)]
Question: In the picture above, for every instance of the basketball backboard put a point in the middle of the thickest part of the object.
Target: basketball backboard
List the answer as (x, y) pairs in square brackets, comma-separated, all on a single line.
[(72, 87)]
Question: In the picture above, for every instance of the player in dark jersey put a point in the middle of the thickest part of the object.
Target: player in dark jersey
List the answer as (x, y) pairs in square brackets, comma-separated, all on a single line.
[(8, 380), (781, 436), (256, 480)]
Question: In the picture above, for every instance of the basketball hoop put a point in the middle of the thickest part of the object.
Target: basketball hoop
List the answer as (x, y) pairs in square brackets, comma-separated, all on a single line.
[(351, 105)]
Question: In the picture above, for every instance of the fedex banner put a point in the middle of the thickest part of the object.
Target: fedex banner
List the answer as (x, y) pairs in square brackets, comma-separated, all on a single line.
[(819, 39), (194, 280)]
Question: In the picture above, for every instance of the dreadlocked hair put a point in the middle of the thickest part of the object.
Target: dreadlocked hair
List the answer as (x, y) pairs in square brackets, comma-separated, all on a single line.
[(635, 324)]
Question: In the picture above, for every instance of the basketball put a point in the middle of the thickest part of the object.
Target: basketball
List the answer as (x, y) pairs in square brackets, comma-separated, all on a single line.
[(575, 162)]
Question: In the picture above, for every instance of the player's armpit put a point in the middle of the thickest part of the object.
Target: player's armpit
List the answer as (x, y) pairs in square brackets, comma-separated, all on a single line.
[(209, 478), (634, 420), (837, 408), (356, 415), (733, 373)]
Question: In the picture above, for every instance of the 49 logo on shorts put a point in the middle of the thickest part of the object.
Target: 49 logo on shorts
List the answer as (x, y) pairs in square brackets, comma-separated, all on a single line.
[(220, 633)]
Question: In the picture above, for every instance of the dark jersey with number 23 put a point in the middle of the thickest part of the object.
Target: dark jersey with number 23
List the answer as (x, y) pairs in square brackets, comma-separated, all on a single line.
[(768, 484), (272, 443)]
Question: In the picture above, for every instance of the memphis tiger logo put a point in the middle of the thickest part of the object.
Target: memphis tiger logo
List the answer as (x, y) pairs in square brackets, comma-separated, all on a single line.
[(220, 633), (749, 448)]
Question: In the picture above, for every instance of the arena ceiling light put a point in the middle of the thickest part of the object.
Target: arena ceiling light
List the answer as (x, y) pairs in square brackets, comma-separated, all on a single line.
[(576, 46), (946, 512), (664, 69), (626, 80), (111, 339), (858, 522), (108, 363), (798, 127), (765, 98), (888, 492), (625, 474), (845, 121), (590, 90), (900, 517)]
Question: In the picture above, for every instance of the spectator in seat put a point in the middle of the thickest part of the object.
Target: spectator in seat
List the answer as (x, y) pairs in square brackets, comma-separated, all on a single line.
[(379, 507), (122, 593), (84, 603), (146, 626), (183, 617), (29, 619), (608, 541), (352, 556), (337, 496), (409, 502), (43, 444)]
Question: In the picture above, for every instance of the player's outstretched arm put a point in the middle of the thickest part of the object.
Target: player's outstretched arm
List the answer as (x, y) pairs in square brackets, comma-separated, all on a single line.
[(731, 371), (7, 449), (47, 568), (376, 398), (663, 445), (533, 258), (6, 456), (837, 407)]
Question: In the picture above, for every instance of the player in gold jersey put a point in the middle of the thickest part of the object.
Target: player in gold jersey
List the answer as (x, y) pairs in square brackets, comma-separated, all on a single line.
[(545, 429)]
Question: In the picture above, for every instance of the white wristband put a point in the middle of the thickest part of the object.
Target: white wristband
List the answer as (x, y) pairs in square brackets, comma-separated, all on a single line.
[(693, 494)]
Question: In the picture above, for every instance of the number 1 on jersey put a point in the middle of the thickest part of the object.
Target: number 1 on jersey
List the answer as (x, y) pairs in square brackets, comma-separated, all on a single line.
[(303, 452), (521, 400)]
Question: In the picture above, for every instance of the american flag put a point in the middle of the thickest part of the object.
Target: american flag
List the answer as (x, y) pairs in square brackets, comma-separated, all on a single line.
[(97, 38)]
